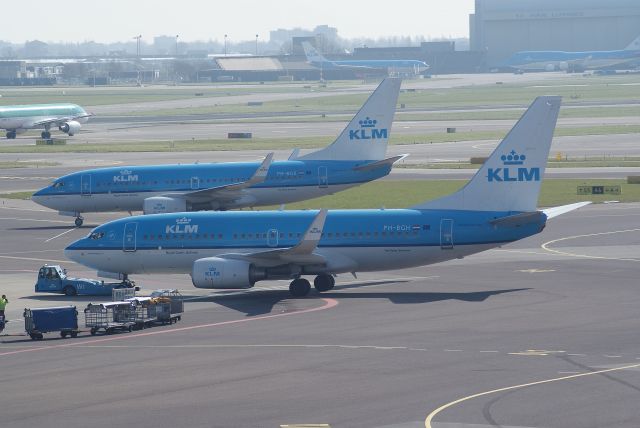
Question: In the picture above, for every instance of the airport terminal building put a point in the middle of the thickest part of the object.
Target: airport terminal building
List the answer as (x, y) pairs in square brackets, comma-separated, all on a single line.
[(503, 27)]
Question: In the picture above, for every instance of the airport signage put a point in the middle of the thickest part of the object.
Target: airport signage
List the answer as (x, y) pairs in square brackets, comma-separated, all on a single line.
[(599, 190)]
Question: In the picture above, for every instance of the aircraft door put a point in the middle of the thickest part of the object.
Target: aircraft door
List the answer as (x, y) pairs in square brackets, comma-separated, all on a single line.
[(323, 177), (272, 238), (85, 185), (129, 238), (446, 234), (195, 183)]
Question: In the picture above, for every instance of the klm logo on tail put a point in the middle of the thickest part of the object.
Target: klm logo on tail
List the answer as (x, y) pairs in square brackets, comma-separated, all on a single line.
[(510, 173), (367, 131)]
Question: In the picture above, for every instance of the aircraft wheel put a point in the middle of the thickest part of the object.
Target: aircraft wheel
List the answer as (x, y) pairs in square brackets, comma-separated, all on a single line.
[(79, 221), (299, 287), (324, 282), (45, 135), (11, 135)]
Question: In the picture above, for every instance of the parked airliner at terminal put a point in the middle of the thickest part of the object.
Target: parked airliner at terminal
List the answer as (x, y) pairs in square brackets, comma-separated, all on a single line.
[(237, 249), (357, 156), (20, 118)]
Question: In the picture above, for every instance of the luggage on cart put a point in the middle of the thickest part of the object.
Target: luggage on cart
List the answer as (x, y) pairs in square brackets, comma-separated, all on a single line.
[(63, 319), (170, 305), (110, 317), (145, 311)]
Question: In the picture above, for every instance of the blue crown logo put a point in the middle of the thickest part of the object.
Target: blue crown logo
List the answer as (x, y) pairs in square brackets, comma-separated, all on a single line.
[(513, 158), (368, 123)]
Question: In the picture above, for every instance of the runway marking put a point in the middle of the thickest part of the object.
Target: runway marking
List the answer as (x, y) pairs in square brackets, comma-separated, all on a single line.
[(328, 304), (60, 234), (433, 414), (545, 246), (26, 209), (536, 270)]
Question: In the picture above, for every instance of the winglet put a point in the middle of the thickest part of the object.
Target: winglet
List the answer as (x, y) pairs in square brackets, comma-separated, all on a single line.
[(312, 236), (556, 211), (294, 154), (261, 173)]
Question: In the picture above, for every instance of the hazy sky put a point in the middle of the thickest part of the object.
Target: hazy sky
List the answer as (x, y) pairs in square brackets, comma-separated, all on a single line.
[(120, 20)]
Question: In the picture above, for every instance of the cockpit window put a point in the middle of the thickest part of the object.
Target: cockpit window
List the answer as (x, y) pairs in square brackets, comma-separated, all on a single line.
[(58, 184), (96, 235)]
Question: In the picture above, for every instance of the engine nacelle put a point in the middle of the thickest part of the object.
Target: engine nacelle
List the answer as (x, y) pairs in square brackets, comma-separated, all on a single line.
[(563, 66), (71, 127), (215, 272), (163, 204)]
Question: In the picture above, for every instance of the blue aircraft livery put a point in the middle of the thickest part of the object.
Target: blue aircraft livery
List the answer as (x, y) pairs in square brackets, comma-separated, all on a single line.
[(508, 173), (357, 156), (237, 249), (318, 60), (628, 57)]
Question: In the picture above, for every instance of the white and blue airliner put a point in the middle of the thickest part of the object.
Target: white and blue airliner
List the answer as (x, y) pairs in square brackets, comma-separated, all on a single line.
[(230, 250), (357, 156)]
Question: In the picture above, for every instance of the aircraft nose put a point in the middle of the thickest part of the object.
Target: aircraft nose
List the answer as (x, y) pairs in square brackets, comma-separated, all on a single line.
[(38, 197), (71, 252)]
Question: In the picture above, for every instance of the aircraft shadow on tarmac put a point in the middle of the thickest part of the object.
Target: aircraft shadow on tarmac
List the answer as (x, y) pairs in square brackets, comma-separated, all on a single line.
[(263, 302)]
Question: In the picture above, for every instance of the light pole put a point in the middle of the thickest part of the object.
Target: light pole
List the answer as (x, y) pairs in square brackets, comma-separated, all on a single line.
[(177, 44), (138, 37), (225, 45), (256, 45)]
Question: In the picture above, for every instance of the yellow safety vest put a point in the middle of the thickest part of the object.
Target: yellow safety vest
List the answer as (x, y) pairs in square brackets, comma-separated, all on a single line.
[(3, 304)]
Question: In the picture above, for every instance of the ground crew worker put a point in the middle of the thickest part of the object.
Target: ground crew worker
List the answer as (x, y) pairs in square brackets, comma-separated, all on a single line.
[(3, 304)]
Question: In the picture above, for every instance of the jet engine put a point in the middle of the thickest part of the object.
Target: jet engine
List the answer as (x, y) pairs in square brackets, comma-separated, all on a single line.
[(70, 127), (563, 66), (216, 272), (163, 204)]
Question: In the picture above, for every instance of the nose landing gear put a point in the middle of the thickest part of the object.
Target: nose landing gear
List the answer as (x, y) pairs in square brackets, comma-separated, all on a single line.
[(79, 221)]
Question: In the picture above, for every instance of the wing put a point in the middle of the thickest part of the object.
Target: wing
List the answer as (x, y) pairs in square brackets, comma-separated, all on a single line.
[(230, 192), (58, 119), (301, 254)]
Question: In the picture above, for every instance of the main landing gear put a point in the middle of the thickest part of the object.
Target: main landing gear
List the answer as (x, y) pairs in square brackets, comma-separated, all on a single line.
[(11, 135), (300, 287), (45, 135), (79, 221)]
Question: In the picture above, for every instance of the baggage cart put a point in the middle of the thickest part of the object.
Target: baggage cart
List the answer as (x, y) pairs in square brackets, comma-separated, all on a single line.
[(63, 319), (145, 311), (110, 317), (170, 305)]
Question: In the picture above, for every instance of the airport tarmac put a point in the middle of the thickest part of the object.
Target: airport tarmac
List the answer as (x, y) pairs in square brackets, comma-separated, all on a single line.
[(541, 333)]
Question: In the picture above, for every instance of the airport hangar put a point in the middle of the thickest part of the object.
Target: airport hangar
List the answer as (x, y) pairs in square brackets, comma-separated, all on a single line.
[(501, 28)]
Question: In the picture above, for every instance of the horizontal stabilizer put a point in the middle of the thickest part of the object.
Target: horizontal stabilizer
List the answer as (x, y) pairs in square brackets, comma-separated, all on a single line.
[(378, 164), (556, 211), (520, 219), (634, 45)]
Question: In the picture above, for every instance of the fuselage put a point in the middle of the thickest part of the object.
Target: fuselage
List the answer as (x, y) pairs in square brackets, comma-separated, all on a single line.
[(397, 64), (540, 60), (352, 240), (126, 188), (25, 116)]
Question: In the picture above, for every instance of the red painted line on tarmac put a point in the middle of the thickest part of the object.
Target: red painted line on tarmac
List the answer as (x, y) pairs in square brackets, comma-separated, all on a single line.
[(328, 304)]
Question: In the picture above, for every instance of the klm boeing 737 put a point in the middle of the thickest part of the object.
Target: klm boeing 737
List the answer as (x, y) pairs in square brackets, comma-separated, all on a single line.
[(317, 60), (66, 117), (355, 157), (560, 60), (237, 249)]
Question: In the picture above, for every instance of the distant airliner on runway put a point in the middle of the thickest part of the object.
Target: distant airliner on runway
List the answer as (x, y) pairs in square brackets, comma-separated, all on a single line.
[(317, 60), (575, 61), (355, 157), (19, 119), (237, 249)]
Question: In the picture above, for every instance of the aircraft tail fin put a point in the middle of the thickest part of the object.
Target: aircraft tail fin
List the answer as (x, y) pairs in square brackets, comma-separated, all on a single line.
[(312, 54), (634, 45), (510, 179), (367, 135)]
